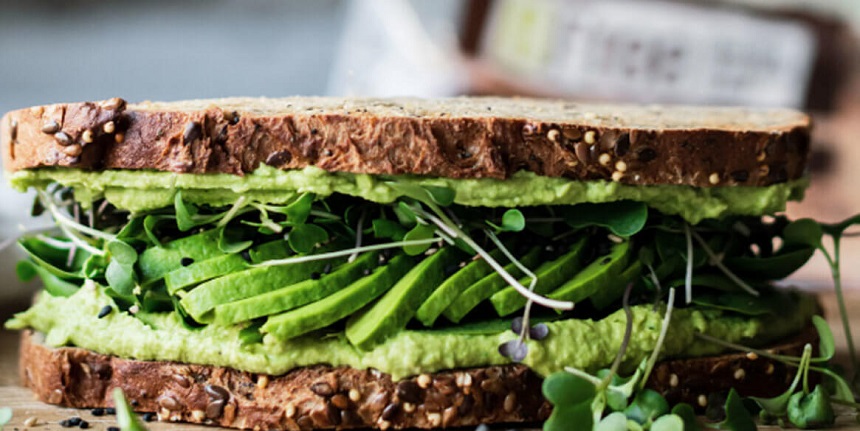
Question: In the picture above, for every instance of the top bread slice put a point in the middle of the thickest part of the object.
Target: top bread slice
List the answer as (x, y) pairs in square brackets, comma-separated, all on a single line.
[(454, 138)]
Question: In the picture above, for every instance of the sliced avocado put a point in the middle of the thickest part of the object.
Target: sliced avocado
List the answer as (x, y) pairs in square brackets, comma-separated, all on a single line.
[(611, 292), (393, 311), (549, 276), (198, 272), (450, 289), (295, 295), (338, 305), (154, 262), (248, 283), (486, 287), (601, 274)]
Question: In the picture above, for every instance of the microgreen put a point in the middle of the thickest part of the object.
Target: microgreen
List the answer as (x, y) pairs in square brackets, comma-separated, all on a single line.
[(512, 221), (419, 232), (737, 416), (5, 416), (810, 232), (623, 218), (304, 237), (120, 273), (811, 410), (125, 416), (688, 415)]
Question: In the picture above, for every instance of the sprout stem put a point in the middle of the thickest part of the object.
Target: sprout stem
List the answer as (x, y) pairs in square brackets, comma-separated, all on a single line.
[(347, 252), (718, 262), (688, 276), (664, 328)]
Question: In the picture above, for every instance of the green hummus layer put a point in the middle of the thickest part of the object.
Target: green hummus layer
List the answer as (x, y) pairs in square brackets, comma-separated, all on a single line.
[(147, 190), (585, 344)]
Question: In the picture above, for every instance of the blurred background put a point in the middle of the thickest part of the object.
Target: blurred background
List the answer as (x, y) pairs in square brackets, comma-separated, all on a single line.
[(793, 53)]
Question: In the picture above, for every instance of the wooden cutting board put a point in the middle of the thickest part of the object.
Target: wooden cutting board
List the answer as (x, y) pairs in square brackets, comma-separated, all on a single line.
[(47, 417)]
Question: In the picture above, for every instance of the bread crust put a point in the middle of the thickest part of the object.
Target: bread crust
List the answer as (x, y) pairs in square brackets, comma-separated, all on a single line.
[(453, 138), (324, 397)]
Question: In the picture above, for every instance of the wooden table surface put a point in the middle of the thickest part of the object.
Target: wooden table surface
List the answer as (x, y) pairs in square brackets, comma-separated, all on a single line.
[(47, 417)]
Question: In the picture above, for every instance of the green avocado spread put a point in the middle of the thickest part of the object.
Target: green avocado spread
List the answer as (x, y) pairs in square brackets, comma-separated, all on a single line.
[(584, 344), (148, 190)]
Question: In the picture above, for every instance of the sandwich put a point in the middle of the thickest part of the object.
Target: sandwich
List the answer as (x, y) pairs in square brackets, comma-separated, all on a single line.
[(319, 263)]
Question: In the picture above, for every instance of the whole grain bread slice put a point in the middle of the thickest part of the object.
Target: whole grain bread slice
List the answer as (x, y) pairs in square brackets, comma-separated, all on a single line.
[(454, 138), (324, 397)]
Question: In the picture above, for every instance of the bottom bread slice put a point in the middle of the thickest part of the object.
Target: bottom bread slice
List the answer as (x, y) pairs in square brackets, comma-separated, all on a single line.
[(325, 397)]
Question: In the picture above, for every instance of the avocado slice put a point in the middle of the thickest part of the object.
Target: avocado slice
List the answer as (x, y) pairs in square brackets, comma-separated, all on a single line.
[(208, 269), (154, 262), (199, 272), (338, 305), (606, 295), (452, 287), (248, 283), (549, 276), (603, 273), (295, 295), (393, 311), (486, 287)]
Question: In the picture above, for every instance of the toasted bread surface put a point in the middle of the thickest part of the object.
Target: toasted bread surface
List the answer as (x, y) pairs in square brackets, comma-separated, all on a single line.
[(324, 397), (453, 138)]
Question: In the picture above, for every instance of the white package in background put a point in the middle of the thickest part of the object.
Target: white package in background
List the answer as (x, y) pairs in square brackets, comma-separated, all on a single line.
[(651, 51)]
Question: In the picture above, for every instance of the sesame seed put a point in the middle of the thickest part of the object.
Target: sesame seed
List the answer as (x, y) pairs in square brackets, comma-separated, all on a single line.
[(148, 417), (673, 380), (63, 138), (464, 380), (51, 127), (31, 421), (761, 156), (621, 166), (119, 138), (764, 170), (617, 176), (408, 407), (185, 261), (134, 309), (290, 411), (315, 276), (105, 311), (702, 400), (73, 150), (112, 428), (552, 135), (435, 419), (740, 374), (615, 238), (84, 425), (424, 381), (87, 136), (354, 395), (714, 178), (590, 137), (769, 369), (604, 159), (384, 424), (752, 356), (109, 127), (263, 381), (110, 411)]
